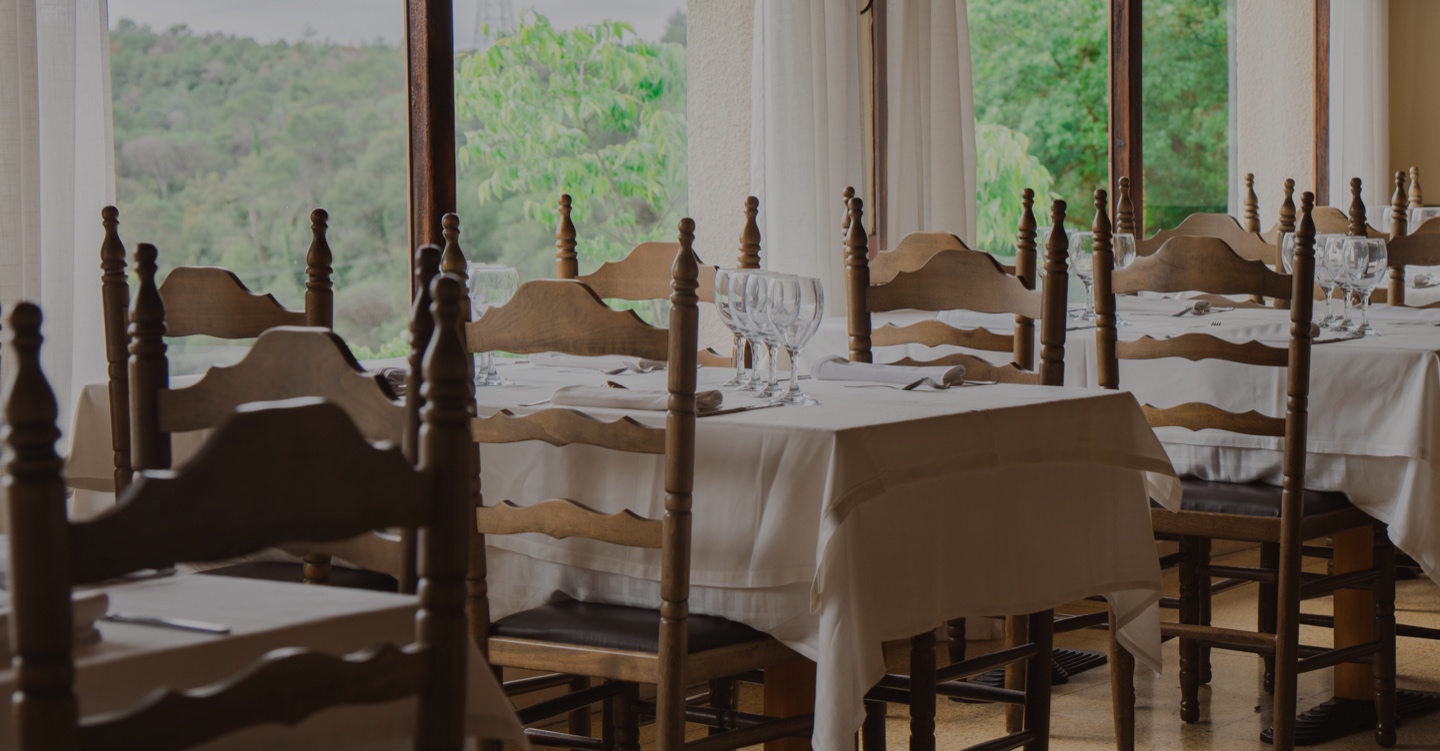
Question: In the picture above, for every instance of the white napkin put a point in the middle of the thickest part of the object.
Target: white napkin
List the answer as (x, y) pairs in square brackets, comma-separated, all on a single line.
[(642, 399), (612, 364), (840, 369), (87, 607)]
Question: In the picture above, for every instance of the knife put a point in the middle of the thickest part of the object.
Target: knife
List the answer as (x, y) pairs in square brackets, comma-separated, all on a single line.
[(733, 410), (179, 624)]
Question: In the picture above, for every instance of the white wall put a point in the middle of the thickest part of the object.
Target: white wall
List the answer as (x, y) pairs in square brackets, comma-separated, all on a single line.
[(1276, 119), (718, 112)]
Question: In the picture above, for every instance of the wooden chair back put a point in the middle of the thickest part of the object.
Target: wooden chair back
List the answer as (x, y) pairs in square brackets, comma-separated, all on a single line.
[(568, 316), (199, 300), (1209, 265), (1329, 220), (1408, 246), (644, 272), (271, 473), (285, 362), (1249, 245), (936, 272)]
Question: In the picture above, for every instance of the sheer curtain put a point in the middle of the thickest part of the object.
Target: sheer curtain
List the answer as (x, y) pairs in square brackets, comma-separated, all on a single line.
[(931, 147), (809, 131), (56, 172), (1360, 105)]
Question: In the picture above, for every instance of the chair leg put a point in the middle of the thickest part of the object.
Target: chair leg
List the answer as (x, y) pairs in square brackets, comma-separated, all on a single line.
[(1205, 582), (922, 692), (1017, 632), (955, 630), (627, 719), (1122, 691), (579, 720), (722, 696), (1384, 664), (872, 733), (1189, 649), (1287, 640), (1037, 680), (1265, 609)]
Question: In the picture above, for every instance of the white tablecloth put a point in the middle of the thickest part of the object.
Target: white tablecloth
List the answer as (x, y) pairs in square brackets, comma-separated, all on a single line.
[(129, 661), (872, 517), (1374, 403)]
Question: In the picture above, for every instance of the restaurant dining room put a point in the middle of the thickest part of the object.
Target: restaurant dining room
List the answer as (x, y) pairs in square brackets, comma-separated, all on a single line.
[(695, 375)]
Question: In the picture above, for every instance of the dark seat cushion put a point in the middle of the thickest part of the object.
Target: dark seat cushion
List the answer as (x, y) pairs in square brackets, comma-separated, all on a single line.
[(350, 578), (591, 624), (1252, 498)]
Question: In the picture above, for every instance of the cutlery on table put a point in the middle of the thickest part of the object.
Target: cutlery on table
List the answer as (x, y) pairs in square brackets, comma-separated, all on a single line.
[(733, 410), (179, 624)]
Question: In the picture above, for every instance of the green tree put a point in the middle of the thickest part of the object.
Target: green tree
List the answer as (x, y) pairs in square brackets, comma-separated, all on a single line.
[(1006, 168), (594, 112)]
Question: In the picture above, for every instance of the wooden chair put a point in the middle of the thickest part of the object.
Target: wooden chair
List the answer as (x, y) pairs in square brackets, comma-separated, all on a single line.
[(285, 362), (957, 278), (1329, 220), (270, 473), (1418, 246), (1254, 512), (623, 645), (200, 300)]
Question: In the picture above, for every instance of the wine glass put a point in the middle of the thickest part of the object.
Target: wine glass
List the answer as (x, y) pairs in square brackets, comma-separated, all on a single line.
[(1336, 271), (1324, 276), (1123, 245), (1042, 237), (1365, 265), (1082, 263), (796, 306), (1421, 214), (728, 282), (491, 285), (757, 308), (743, 301)]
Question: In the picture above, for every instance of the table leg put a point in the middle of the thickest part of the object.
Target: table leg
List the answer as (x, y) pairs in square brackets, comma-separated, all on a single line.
[(790, 691)]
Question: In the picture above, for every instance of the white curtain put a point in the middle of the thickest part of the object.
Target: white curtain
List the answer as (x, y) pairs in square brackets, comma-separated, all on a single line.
[(931, 144), (807, 133), (1360, 105), (56, 172)]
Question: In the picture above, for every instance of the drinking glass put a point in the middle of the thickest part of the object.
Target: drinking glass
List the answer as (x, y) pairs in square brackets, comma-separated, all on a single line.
[(727, 283), (1336, 272), (1042, 236), (796, 306), (1365, 265), (1123, 245), (491, 285), (745, 303), (757, 310), (1421, 214), (1325, 277), (1082, 264), (1287, 252)]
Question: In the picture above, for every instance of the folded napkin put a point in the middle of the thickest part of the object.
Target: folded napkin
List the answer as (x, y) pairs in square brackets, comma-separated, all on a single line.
[(395, 378), (643, 399), (612, 364), (840, 369), (87, 607)]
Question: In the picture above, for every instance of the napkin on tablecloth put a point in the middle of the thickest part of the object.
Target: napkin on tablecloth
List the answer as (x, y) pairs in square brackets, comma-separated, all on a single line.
[(840, 369), (644, 399), (395, 379), (608, 363)]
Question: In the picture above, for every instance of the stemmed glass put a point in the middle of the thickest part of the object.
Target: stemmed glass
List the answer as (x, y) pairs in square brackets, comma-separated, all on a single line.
[(761, 331), (1421, 214), (1336, 270), (1082, 263), (1123, 245), (491, 285), (796, 306), (1365, 266), (1325, 277), (728, 285)]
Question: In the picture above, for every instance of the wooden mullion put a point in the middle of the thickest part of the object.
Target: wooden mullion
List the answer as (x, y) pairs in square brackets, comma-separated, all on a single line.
[(881, 113), (1127, 157), (1322, 102), (429, 34)]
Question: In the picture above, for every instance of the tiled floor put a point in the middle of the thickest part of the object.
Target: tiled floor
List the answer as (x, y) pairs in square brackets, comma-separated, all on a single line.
[(1234, 708)]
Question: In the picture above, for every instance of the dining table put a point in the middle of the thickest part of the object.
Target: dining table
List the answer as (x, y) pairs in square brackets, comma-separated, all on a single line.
[(1374, 425), (873, 516), (129, 660)]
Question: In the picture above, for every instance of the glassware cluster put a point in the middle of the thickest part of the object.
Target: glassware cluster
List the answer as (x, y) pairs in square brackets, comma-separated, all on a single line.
[(491, 285), (1356, 265), (767, 311), (1082, 264)]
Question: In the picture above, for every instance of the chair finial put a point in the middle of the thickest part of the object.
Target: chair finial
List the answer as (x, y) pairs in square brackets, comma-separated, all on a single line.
[(857, 281), (1287, 208), (1416, 198), (319, 289), (845, 196), (1358, 219), (1399, 211), (750, 236), (685, 273), (1124, 208), (566, 265), (452, 260), (1252, 205)]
